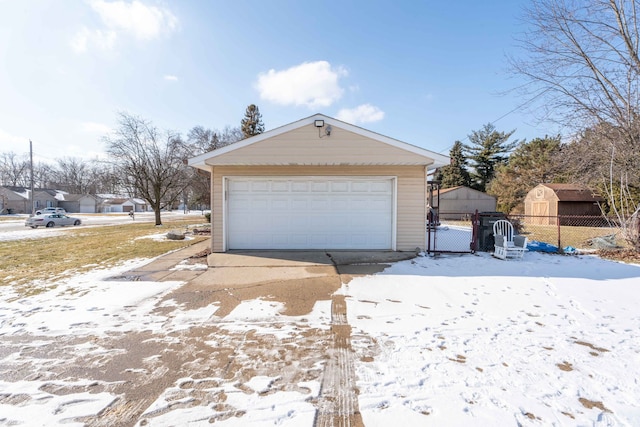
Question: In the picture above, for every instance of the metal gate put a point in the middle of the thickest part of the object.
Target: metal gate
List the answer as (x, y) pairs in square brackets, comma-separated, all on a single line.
[(452, 232)]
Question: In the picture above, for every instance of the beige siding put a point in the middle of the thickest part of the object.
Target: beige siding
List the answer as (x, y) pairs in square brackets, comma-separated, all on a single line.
[(303, 146), (464, 200), (411, 183)]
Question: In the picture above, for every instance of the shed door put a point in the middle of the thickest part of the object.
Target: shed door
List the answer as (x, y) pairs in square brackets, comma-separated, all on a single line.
[(541, 211), (310, 213)]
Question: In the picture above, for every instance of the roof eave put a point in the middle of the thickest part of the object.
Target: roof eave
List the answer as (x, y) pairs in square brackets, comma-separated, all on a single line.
[(436, 160)]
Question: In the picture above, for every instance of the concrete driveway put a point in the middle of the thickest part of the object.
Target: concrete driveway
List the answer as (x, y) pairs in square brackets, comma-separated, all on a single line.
[(297, 282)]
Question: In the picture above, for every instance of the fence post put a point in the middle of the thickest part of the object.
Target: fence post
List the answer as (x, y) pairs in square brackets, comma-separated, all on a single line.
[(475, 223), (558, 221), (429, 232)]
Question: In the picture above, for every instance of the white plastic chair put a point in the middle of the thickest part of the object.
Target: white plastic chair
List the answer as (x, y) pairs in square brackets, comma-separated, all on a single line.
[(507, 244)]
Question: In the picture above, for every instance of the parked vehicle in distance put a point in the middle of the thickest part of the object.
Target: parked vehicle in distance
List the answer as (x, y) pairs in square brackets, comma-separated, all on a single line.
[(51, 220), (50, 211)]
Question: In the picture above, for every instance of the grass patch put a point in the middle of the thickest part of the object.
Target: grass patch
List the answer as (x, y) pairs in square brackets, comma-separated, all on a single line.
[(12, 218), (79, 250), (578, 237)]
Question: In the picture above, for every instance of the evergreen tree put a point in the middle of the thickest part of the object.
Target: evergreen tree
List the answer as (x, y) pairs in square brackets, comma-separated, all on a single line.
[(455, 173), (531, 163), (488, 150), (252, 123)]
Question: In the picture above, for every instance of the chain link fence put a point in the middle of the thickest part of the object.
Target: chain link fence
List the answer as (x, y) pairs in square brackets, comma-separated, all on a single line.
[(467, 232), (450, 232), (570, 232)]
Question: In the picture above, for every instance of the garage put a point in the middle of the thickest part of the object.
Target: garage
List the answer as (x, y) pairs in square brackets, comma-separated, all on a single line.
[(310, 213), (87, 205), (318, 184)]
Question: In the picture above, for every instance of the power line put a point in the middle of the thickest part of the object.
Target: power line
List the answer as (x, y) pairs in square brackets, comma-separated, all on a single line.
[(502, 116)]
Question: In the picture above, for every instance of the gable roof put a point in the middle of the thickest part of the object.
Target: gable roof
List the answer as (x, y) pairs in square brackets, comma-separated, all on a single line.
[(573, 193), (446, 190), (411, 154), (116, 201), (467, 190), (75, 197)]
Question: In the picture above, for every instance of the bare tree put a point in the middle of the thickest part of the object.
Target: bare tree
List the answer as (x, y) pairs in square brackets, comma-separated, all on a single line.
[(201, 140), (73, 175), (14, 169), (103, 178), (44, 175), (582, 62), (150, 162)]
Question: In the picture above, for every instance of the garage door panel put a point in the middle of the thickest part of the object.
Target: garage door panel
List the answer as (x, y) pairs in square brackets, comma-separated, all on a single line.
[(300, 186), (309, 213), (280, 204), (319, 186), (280, 186), (340, 186), (380, 186), (320, 204), (239, 186), (260, 186)]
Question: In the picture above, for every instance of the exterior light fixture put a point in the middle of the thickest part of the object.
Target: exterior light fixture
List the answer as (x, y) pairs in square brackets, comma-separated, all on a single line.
[(319, 123)]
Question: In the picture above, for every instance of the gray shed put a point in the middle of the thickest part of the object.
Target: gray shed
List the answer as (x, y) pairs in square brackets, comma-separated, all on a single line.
[(459, 202)]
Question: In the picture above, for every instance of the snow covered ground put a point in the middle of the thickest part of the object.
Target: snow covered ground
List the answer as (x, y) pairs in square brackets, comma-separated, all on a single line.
[(443, 341), (470, 340)]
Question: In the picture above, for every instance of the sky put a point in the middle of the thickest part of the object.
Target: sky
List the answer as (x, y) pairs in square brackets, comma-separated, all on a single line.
[(427, 73)]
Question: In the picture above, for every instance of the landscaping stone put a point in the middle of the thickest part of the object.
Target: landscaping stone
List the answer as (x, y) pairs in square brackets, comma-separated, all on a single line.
[(175, 235)]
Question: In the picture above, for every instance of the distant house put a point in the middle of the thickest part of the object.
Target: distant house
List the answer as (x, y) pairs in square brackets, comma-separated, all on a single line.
[(80, 203), (140, 205), (117, 204), (547, 201), (16, 199), (458, 202)]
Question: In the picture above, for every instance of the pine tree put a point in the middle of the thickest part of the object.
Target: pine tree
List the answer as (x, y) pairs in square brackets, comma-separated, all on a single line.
[(455, 173), (252, 123), (487, 151), (531, 163)]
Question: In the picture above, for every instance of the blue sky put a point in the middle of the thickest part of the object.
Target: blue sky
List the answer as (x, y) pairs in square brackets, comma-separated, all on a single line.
[(424, 72)]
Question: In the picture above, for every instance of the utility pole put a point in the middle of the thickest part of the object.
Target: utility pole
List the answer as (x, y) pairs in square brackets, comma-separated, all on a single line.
[(31, 167)]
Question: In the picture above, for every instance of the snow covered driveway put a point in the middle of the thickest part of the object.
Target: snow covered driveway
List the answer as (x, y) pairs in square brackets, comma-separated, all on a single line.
[(454, 340)]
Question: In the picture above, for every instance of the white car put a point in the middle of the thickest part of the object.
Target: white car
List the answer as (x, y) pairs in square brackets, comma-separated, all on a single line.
[(50, 211), (51, 220)]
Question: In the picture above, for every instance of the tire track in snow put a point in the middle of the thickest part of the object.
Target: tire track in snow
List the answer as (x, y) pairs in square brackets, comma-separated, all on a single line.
[(338, 403)]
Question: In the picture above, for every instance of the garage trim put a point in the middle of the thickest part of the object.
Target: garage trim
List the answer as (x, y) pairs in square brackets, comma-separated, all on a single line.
[(225, 197)]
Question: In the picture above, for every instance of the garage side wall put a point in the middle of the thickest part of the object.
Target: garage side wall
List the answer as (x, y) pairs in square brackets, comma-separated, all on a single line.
[(410, 196)]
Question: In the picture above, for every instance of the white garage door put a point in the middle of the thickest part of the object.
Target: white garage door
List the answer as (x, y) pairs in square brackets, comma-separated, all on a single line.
[(310, 213), (87, 206)]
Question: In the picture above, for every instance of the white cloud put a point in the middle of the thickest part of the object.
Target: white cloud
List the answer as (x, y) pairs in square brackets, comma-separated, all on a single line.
[(94, 127), (122, 18), (171, 78), (313, 84), (365, 113), (144, 22), (9, 140), (103, 40)]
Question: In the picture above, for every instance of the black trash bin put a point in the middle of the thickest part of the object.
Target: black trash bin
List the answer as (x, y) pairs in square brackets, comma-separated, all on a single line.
[(485, 230)]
